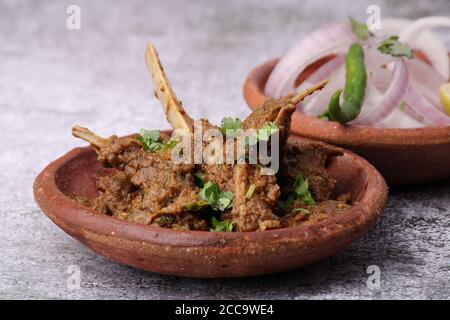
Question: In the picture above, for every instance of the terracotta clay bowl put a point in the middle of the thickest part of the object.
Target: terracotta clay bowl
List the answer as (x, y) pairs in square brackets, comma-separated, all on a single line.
[(207, 254), (403, 156)]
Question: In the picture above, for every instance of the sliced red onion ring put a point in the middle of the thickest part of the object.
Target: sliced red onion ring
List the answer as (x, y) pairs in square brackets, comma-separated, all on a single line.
[(391, 98), (414, 114), (371, 99), (425, 79), (321, 73), (381, 78), (326, 41), (398, 119), (424, 107), (374, 59), (411, 119), (435, 51)]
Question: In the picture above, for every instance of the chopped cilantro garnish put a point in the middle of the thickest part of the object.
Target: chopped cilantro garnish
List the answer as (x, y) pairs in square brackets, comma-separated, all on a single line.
[(151, 141), (170, 144), (164, 220), (250, 191), (199, 178), (218, 200), (301, 188), (230, 127), (196, 206), (225, 201), (221, 226), (303, 210), (395, 48), (301, 192), (361, 30), (267, 131), (263, 134), (210, 192), (152, 135)]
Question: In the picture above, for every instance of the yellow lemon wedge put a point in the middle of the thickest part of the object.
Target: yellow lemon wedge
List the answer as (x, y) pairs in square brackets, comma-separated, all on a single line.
[(444, 95)]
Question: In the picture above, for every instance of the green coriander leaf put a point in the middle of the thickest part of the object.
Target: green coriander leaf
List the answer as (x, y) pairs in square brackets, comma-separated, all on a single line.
[(151, 141), (395, 48), (303, 210), (230, 127), (210, 192), (251, 140), (152, 135), (216, 199), (263, 134), (360, 29), (301, 188), (165, 219), (150, 145), (225, 201), (142, 141), (250, 191), (170, 144), (267, 131), (199, 178), (221, 226), (196, 206)]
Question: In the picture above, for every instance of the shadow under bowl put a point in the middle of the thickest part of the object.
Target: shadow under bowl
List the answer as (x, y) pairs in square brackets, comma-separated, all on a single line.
[(403, 156), (204, 254)]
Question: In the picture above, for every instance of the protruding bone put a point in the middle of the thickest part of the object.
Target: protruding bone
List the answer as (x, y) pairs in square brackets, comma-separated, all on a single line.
[(296, 99), (173, 110), (89, 136)]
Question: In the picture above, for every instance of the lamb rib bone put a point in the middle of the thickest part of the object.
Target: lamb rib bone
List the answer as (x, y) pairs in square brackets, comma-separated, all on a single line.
[(175, 113), (88, 136), (302, 95)]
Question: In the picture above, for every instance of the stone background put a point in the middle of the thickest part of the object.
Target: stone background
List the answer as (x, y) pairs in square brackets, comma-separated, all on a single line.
[(52, 78)]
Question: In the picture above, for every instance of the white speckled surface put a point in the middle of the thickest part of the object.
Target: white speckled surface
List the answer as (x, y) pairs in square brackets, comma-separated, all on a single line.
[(52, 78)]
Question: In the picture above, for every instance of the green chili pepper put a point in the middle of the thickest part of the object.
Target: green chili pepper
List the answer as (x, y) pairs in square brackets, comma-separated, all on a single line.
[(355, 87)]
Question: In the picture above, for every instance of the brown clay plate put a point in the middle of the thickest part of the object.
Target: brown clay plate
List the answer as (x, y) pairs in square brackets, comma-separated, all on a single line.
[(207, 254), (403, 156)]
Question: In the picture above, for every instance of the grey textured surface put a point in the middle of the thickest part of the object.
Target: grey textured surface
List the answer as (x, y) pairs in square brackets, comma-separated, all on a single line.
[(52, 78)]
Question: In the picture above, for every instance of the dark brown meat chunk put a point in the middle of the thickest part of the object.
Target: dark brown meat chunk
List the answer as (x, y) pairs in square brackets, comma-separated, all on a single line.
[(256, 211), (116, 152), (122, 200), (165, 187), (309, 160), (221, 174), (116, 195)]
